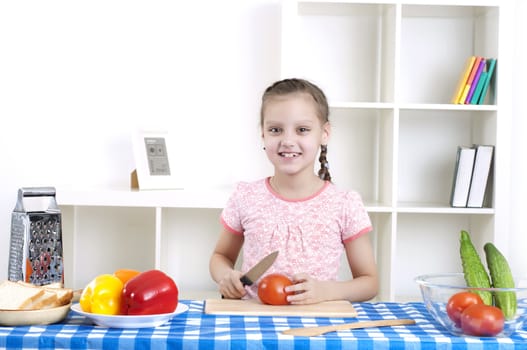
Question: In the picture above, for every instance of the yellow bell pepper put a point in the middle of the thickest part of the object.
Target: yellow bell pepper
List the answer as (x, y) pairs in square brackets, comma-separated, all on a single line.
[(102, 295)]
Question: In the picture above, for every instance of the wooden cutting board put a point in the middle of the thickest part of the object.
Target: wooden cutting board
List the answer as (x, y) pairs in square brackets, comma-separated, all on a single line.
[(340, 308)]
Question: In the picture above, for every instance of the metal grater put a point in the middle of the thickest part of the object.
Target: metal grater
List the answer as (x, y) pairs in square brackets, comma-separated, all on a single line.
[(35, 254)]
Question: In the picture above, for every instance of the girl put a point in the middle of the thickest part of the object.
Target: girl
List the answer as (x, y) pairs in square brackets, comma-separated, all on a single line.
[(302, 215)]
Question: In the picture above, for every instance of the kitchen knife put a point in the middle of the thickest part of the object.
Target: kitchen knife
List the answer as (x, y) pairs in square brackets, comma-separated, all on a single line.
[(258, 270)]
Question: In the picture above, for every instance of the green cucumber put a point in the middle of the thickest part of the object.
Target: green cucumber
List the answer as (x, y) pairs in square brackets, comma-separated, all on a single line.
[(501, 276), (474, 272)]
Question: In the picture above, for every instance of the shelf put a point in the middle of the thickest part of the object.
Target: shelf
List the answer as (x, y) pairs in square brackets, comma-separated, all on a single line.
[(378, 208), (394, 131), (362, 105), (193, 198), (411, 106), (428, 71), (420, 208), (447, 107), (216, 199), (348, 28)]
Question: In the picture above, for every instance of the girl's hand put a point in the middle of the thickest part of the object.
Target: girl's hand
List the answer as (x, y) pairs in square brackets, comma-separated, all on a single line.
[(230, 285), (306, 289)]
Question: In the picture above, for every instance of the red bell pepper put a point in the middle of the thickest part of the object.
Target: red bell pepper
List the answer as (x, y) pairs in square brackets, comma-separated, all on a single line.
[(151, 292)]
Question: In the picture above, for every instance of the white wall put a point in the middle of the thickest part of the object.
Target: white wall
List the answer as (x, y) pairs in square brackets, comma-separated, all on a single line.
[(77, 78)]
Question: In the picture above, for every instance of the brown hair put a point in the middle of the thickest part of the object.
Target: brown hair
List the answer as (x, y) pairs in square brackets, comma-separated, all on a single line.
[(294, 85)]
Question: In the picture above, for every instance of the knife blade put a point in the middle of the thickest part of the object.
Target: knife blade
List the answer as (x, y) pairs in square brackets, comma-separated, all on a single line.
[(258, 270)]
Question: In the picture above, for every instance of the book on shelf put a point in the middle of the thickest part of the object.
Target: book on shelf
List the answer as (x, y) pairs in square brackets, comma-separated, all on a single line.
[(480, 184), (464, 95), (470, 80), (462, 176), (490, 73), (475, 82), (477, 93), (463, 79)]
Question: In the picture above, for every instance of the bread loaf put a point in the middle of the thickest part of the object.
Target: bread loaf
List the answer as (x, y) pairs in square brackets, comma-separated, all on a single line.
[(26, 296), (14, 296)]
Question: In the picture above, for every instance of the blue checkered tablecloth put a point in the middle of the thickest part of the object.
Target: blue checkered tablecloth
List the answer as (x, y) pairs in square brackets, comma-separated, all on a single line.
[(196, 330)]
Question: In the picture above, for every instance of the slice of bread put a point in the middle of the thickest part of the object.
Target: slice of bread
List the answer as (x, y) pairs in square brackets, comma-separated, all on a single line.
[(15, 296), (54, 285), (45, 301), (64, 295), (54, 295)]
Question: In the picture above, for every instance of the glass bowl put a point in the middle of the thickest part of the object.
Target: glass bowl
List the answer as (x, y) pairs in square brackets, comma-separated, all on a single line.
[(436, 290)]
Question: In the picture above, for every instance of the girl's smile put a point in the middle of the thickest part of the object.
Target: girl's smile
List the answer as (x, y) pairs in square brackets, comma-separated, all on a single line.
[(289, 154)]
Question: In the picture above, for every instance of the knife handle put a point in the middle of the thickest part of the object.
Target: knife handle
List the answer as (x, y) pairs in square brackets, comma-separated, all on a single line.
[(245, 281)]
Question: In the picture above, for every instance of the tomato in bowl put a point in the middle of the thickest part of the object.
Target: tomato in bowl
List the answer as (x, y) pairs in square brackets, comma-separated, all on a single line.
[(459, 302), (446, 299)]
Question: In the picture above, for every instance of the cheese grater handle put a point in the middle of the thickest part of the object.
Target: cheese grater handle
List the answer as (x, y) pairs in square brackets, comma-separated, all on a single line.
[(35, 192)]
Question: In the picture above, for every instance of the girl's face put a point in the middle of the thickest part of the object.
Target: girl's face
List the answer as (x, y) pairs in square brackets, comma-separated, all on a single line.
[(292, 133)]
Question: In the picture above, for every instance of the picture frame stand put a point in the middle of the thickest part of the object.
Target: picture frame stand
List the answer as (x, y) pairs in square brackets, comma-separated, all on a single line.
[(154, 153)]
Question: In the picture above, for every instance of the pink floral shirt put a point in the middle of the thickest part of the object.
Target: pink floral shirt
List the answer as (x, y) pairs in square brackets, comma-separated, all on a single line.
[(309, 233)]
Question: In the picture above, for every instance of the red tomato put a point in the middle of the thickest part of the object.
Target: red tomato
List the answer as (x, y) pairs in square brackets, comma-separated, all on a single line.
[(482, 320), (459, 302), (271, 289)]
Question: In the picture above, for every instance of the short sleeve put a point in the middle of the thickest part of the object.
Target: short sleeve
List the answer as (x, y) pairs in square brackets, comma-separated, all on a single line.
[(230, 216), (356, 220)]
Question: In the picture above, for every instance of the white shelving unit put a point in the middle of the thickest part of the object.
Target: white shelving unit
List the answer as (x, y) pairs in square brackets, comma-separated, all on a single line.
[(172, 230), (389, 70)]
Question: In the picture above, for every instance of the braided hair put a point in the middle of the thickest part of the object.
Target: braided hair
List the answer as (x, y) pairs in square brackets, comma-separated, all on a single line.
[(295, 85), (323, 173)]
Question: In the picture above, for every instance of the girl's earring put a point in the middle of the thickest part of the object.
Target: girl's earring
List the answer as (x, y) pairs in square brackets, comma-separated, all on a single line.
[(264, 148)]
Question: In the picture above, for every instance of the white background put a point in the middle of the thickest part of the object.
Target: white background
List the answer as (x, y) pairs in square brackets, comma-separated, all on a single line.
[(77, 78)]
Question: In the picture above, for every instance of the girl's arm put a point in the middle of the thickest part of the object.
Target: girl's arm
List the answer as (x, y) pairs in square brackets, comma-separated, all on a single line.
[(362, 287), (221, 265)]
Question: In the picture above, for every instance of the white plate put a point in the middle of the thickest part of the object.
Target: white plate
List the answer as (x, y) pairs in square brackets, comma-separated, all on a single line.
[(125, 321), (33, 317)]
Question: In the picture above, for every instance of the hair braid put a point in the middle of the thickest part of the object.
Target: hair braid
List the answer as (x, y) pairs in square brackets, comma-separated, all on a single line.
[(323, 173)]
